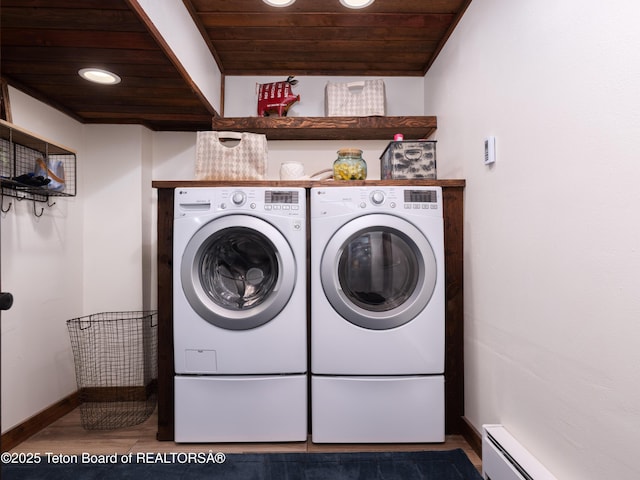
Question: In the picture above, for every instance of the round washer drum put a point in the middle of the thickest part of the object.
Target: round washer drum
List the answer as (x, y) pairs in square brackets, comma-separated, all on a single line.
[(378, 271), (238, 272)]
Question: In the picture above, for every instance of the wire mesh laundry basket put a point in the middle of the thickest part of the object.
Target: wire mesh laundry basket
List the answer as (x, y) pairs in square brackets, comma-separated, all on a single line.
[(115, 355)]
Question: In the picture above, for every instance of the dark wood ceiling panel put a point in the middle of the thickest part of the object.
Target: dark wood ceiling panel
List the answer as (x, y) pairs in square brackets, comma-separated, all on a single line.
[(43, 38), (398, 21), (249, 37), (80, 17), (311, 6), (45, 42)]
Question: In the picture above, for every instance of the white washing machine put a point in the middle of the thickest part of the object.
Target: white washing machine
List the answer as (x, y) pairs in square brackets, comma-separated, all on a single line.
[(377, 314), (240, 314)]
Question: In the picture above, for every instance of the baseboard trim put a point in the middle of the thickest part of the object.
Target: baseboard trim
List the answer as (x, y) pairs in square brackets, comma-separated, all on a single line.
[(472, 436), (118, 394), (39, 421)]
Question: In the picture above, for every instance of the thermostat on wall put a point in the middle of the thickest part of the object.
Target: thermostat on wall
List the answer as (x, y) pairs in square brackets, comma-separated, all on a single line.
[(489, 150)]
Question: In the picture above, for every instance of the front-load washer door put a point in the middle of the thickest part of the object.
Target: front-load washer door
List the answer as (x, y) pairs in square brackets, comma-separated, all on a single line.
[(238, 272), (378, 271)]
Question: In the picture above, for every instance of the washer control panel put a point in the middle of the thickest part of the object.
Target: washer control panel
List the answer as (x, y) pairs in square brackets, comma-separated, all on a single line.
[(276, 201)]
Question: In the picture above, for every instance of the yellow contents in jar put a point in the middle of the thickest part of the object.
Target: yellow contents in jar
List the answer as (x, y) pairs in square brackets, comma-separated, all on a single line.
[(350, 165)]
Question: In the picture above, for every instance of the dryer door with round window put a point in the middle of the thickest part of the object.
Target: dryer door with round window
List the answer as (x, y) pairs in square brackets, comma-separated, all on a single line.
[(238, 272), (378, 271)]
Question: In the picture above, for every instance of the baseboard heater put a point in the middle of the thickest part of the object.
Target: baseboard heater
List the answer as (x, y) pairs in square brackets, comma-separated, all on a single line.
[(504, 458)]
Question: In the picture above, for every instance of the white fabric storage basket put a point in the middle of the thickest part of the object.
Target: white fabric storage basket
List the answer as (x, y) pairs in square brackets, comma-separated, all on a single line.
[(246, 160), (355, 99)]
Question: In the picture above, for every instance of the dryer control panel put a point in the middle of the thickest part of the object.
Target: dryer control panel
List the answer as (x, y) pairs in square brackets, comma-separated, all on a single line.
[(418, 200)]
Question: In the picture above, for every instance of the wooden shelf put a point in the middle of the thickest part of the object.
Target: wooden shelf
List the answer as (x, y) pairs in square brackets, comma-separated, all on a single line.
[(13, 133), (171, 184), (330, 128)]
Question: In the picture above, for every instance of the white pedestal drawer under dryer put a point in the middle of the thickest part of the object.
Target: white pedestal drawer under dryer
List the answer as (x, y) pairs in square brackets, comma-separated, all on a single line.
[(377, 314)]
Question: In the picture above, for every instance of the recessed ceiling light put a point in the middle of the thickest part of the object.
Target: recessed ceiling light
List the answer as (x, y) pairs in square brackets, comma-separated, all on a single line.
[(279, 3), (98, 75), (356, 3)]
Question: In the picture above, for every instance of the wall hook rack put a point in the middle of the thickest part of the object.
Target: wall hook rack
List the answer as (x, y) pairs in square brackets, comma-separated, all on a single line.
[(22, 152), (19, 199)]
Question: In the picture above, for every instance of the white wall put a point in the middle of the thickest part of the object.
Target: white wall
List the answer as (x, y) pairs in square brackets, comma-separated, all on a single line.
[(42, 267), (113, 209), (552, 257)]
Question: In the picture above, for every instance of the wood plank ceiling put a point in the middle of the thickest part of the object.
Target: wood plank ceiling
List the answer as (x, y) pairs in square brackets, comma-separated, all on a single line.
[(43, 44)]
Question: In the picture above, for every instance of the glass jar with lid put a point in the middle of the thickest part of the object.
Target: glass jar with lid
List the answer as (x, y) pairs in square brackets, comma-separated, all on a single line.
[(349, 165)]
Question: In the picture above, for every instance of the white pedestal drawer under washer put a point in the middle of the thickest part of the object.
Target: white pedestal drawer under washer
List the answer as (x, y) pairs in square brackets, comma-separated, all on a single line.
[(377, 314), (240, 314)]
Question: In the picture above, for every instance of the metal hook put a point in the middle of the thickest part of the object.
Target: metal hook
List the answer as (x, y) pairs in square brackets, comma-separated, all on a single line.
[(2, 205), (50, 205), (35, 212)]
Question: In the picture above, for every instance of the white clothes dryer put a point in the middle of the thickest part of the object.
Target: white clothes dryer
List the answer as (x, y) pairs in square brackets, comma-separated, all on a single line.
[(377, 314), (240, 314)]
